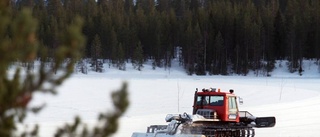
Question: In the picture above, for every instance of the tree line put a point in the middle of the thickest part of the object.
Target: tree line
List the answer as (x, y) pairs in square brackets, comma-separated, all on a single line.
[(211, 36)]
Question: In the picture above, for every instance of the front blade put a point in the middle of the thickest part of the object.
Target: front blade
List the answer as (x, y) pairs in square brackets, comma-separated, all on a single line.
[(262, 122)]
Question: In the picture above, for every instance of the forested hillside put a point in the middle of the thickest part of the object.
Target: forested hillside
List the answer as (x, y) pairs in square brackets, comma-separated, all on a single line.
[(211, 36)]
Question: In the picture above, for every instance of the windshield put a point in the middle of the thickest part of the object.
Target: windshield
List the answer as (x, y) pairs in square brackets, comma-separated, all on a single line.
[(210, 100)]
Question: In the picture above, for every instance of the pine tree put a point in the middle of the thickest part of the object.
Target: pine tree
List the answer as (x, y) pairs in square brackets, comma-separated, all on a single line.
[(16, 91), (82, 66), (256, 47), (188, 50), (279, 35), (267, 38), (120, 58), (19, 43), (218, 63), (137, 59), (96, 64), (113, 43), (40, 13), (292, 59), (199, 50)]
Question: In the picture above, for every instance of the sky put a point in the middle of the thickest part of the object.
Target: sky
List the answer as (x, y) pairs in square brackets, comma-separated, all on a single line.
[(294, 100)]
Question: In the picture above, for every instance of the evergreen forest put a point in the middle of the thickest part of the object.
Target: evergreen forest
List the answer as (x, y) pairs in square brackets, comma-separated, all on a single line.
[(215, 37)]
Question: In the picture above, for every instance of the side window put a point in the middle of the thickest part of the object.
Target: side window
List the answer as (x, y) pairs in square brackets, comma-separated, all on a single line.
[(232, 103), (202, 100), (199, 100), (216, 100)]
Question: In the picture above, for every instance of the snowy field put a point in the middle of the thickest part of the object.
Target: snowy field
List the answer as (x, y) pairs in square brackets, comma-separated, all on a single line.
[(294, 100)]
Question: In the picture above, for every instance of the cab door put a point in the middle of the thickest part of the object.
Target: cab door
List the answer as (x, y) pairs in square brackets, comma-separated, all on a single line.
[(232, 109)]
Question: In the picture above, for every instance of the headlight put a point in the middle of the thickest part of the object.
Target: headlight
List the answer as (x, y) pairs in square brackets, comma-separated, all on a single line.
[(233, 116)]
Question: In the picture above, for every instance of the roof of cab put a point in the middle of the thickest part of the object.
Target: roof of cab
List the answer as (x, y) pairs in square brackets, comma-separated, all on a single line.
[(214, 93)]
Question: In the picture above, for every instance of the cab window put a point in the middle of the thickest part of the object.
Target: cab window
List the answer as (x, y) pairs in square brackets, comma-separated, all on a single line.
[(232, 103), (203, 100), (216, 100), (210, 100)]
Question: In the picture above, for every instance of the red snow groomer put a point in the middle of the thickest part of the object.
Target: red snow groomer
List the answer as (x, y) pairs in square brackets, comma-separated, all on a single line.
[(223, 118), (215, 114)]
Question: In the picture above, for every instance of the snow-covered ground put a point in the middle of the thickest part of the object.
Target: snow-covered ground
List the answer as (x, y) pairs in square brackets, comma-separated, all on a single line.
[(294, 100)]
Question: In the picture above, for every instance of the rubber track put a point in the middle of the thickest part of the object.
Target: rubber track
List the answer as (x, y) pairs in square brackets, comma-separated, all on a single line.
[(225, 132)]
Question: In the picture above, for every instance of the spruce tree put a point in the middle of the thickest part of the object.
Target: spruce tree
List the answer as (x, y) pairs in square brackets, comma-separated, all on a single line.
[(120, 58), (96, 64), (137, 59), (220, 63), (21, 45), (113, 41)]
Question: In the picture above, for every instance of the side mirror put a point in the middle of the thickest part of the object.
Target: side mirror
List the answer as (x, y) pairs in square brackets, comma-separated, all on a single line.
[(240, 100)]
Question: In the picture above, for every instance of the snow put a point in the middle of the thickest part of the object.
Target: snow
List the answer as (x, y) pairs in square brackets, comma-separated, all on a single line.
[(294, 100)]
